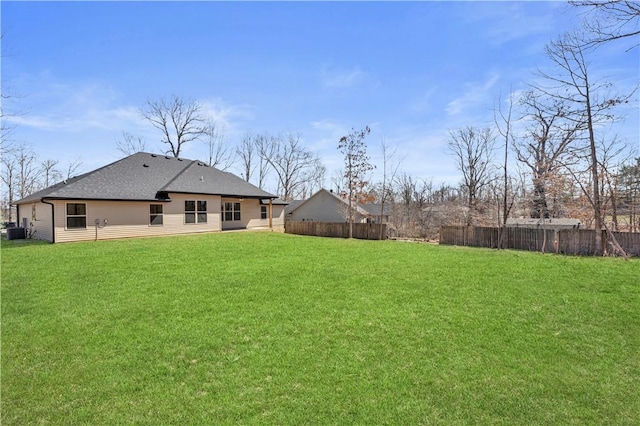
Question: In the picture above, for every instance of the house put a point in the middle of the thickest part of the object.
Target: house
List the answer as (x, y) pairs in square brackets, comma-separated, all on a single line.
[(147, 195), (376, 212), (324, 206)]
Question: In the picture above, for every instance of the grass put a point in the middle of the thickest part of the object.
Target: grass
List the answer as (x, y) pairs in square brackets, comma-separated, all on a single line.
[(246, 328)]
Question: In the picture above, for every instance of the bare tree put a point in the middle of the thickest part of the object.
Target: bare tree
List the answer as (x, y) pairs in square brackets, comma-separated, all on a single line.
[(73, 167), (612, 154), (180, 120), (293, 165), (628, 184), (609, 20), (405, 188), (503, 121), (50, 172), (473, 151), (6, 97), (8, 176), (356, 166), (5, 127), (28, 172), (129, 144), (546, 147), (389, 171), (313, 183), (590, 104), (338, 181), (265, 145), (246, 152), (219, 154)]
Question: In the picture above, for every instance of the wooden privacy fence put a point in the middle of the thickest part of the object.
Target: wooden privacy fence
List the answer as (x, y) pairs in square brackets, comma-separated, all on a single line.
[(363, 231), (564, 241)]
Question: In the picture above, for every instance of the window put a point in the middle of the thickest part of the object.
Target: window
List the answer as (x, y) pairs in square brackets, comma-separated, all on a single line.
[(195, 211), (230, 211), (189, 212), (76, 215), (155, 214), (263, 212), (227, 210), (202, 212)]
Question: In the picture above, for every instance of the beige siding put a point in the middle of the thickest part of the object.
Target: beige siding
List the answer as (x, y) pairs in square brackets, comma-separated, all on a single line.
[(255, 221), (131, 219), (249, 214), (278, 217), (39, 221), (251, 217)]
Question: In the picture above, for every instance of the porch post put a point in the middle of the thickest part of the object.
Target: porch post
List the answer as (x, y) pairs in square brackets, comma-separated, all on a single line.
[(270, 213)]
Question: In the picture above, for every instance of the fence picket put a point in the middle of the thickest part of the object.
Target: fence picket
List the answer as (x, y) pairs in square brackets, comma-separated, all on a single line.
[(364, 231), (565, 241)]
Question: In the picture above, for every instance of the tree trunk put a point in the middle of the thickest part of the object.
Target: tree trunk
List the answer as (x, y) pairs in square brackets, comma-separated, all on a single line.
[(594, 176)]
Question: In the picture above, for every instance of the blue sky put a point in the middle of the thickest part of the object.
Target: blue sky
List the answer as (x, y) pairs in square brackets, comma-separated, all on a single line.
[(412, 71)]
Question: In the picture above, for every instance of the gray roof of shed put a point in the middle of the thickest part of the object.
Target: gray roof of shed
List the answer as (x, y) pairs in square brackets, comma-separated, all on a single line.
[(141, 176), (549, 222), (374, 209), (293, 204)]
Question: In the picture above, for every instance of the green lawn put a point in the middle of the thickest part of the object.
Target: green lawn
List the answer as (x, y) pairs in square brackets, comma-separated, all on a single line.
[(248, 328)]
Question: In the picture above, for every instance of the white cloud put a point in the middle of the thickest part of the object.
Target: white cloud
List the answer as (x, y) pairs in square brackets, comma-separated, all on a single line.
[(332, 78), (80, 119), (341, 79), (227, 116), (475, 94), (424, 103), (326, 134), (518, 20)]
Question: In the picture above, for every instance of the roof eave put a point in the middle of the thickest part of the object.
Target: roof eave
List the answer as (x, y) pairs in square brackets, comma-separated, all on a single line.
[(153, 200)]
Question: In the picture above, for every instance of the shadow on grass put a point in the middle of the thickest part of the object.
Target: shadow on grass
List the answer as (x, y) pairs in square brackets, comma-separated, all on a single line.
[(11, 244)]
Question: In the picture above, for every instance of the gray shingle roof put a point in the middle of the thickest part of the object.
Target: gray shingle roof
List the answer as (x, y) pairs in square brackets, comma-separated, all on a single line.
[(275, 202), (374, 209), (141, 176), (293, 204)]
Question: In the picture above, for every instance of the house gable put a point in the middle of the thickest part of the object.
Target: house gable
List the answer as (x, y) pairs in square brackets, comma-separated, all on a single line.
[(324, 206)]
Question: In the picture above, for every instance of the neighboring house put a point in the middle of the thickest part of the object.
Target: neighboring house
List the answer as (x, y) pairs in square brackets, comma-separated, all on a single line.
[(550, 223), (377, 214), (293, 204), (146, 195), (324, 206)]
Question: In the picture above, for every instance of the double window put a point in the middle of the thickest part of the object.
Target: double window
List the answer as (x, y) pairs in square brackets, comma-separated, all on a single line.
[(195, 211), (155, 214), (230, 212), (76, 215)]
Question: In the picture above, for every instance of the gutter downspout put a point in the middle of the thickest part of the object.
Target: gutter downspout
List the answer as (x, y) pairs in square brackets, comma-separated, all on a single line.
[(53, 220)]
